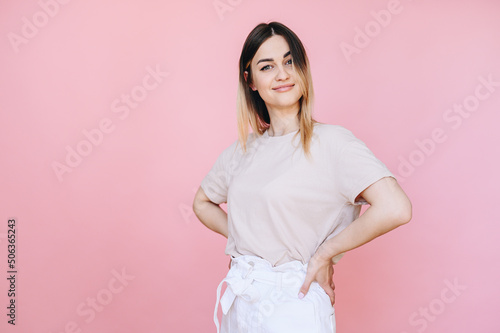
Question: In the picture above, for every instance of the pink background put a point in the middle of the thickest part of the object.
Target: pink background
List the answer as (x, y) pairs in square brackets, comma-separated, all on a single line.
[(125, 207)]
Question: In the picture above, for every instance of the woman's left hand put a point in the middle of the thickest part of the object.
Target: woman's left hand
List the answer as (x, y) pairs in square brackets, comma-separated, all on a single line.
[(320, 270)]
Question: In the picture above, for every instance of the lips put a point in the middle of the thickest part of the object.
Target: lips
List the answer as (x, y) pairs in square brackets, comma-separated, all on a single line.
[(284, 87)]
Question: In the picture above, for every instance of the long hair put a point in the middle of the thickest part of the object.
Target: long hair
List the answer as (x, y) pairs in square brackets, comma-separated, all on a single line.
[(251, 109)]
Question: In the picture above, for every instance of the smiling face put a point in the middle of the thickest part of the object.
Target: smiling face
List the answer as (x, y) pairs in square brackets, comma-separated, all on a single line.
[(274, 77)]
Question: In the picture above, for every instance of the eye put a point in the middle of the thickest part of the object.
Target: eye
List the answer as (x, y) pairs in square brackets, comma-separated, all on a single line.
[(289, 61), (265, 67)]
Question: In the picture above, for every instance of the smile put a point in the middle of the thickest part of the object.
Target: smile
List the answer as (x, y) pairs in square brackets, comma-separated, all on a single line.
[(284, 88)]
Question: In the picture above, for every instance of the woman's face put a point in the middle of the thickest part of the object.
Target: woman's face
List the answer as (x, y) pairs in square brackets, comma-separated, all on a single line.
[(273, 75)]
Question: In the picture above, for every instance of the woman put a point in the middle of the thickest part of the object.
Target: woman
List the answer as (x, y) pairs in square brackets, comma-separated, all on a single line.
[(294, 189)]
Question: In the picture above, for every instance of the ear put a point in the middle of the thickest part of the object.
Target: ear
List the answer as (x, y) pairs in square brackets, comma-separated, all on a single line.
[(245, 75)]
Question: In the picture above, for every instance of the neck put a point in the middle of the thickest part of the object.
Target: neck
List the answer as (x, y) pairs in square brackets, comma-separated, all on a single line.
[(283, 127), (283, 122)]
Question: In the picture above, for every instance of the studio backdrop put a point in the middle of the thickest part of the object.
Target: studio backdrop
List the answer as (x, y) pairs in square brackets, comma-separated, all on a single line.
[(112, 112)]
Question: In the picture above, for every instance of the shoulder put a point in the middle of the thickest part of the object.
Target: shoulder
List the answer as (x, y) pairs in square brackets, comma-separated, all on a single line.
[(334, 134), (236, 148)]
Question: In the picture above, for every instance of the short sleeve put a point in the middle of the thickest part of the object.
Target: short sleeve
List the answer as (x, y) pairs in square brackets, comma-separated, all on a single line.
[(358, 168), (216, 182)]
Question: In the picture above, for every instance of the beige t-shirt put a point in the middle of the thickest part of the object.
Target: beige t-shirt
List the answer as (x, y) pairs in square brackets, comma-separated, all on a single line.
[(281, 206)]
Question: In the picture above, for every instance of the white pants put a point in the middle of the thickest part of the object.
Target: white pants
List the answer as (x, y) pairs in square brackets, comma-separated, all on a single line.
[(260, 298)]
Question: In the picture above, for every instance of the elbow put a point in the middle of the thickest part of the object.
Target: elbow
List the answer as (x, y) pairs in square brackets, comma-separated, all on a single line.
[(197, 206), (197, 203), (403, 213), (200, 202)]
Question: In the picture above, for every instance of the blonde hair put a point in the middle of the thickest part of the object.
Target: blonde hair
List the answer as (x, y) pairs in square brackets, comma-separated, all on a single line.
[(251, 109)]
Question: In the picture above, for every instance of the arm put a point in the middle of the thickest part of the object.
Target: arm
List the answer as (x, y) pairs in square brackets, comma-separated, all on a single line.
[(389, 209), (209, 213)]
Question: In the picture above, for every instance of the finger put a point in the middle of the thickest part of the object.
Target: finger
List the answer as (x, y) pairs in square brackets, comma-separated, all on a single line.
[(305, 287), (332, 284), (331, 294)]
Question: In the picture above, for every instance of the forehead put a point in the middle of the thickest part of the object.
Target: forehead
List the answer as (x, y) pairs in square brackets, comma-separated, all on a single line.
[(274, 47)]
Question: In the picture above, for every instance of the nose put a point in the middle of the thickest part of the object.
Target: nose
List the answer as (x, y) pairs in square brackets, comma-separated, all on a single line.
[(282, 73)]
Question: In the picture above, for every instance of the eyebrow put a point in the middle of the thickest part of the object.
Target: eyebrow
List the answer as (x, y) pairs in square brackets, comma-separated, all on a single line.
[(271, 59)]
